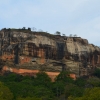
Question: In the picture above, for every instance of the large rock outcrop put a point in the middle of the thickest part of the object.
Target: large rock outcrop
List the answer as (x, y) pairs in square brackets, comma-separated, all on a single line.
[(22, 48)]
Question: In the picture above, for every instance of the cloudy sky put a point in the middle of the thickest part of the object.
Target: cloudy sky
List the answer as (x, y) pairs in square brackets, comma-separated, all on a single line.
[(81, 17)]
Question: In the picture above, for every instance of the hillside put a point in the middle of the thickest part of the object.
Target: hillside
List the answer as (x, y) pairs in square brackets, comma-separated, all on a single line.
[(24, 49)]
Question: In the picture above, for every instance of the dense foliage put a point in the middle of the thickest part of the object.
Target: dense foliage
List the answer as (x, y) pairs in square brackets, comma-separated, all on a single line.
[(17, 87)]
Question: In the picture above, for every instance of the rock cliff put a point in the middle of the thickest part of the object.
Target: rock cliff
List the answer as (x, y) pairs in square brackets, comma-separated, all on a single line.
[(22, 48)]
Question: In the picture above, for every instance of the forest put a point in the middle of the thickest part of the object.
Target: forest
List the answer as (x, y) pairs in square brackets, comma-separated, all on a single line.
[(40, 87)]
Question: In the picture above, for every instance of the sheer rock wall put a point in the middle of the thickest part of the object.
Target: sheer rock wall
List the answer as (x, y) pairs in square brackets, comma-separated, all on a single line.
[(42, 51)]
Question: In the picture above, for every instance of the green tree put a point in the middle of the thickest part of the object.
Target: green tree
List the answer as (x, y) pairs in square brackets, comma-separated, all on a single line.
[(81, 82), (21, 89), (75, 35), (29, 98), (11, 77), (74, 98), (42, 79), (29, 28), (58, 33), (58, 88), (43, 92), (64, 77), (23, 28), (90, 94), (5, 93), (93, 81), (73, 90), (63, 34), (97, 72)]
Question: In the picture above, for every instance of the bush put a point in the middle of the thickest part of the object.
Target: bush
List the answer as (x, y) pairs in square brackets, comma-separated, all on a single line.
[(97, 72)]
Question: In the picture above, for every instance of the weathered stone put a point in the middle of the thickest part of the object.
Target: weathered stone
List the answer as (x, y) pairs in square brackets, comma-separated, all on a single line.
[(42, 51)]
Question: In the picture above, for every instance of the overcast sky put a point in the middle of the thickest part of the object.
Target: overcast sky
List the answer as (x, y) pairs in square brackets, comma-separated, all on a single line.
[(81, 17)]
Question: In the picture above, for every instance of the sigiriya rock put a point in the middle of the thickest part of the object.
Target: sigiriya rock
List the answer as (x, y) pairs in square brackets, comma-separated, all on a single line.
[(25, 49)]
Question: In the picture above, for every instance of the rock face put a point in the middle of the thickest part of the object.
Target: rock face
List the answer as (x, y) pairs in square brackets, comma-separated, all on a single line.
[(22, 48)]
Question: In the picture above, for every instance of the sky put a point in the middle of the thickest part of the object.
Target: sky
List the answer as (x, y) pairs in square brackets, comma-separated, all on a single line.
[(80, 17)]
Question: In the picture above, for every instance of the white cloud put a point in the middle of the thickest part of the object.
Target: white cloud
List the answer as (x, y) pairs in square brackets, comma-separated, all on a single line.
[(89, 30), (79, 17)]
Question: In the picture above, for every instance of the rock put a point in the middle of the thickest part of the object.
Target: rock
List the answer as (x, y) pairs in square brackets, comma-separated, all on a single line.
[(44, 51)]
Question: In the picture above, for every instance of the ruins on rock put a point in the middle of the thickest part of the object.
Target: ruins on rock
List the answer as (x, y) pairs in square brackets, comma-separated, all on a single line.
[(24, 49)]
